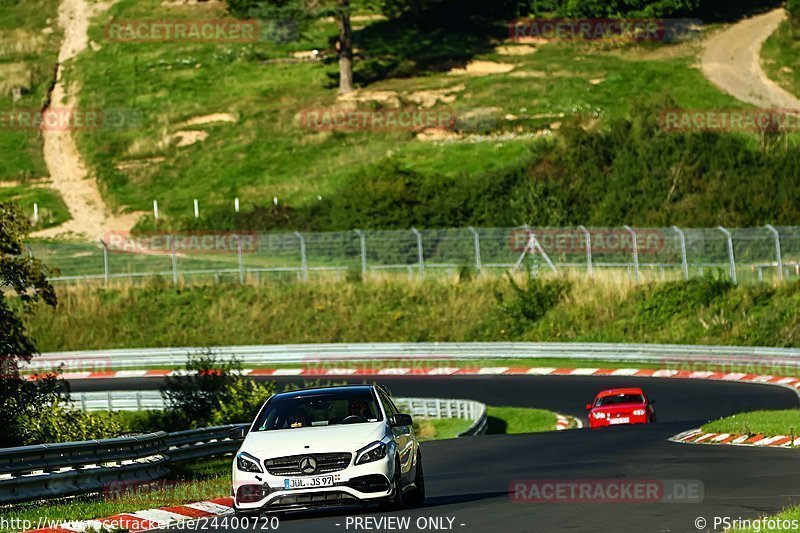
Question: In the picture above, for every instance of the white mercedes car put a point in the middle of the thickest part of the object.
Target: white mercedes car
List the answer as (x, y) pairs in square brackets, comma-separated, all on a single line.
[(327, 447)]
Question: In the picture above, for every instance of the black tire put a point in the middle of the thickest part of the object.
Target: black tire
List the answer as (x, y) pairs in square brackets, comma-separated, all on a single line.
[(246, 514), (416, 497), (396, 501)]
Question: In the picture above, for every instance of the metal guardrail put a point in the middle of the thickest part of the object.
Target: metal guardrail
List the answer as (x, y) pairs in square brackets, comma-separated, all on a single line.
[(56, 470), (45, 471), (144, 400), (318, 356)]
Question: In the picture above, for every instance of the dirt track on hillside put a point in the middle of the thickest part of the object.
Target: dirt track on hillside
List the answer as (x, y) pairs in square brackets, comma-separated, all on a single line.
[(732, 61), (89, 215)]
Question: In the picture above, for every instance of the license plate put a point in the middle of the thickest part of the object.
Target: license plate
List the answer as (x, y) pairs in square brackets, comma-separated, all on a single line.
[(624, 420), (308, 482)]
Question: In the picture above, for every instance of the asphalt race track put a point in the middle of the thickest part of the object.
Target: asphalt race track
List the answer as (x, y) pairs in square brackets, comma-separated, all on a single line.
[(468, 479)]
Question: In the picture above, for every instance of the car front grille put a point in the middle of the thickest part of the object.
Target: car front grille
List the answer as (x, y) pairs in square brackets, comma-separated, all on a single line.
[(290, 464)]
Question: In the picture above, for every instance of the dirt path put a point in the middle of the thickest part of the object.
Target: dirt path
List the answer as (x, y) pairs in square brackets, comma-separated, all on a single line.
[(89, 215), (732, 61)]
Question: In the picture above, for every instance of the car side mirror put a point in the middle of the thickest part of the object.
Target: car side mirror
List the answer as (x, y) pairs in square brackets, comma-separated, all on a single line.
[(400, 420), (239, 433), (588, 407)]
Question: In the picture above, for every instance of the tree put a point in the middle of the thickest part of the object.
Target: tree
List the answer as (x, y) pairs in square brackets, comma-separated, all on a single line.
[(26, 278), (301, 12)]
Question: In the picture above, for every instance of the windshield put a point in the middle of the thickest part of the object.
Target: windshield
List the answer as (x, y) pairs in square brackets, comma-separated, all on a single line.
[(617, 399), (313, 409)]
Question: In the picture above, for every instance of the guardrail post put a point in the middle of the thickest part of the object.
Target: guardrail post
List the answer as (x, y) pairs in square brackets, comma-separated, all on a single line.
[(240, 252), (420, 253), (363, 240), (588, 237), (138, 401), (303, 257), (106, 271), (731, 257), (110, 402), (477, 239), (778, 254), (174, 260), (635, 251), (684, 258)]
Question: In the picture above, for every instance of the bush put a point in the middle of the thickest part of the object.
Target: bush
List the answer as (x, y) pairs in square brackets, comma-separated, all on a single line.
[(60, 422), (532, 299), (793, 7), (211, 393), (680, 297)]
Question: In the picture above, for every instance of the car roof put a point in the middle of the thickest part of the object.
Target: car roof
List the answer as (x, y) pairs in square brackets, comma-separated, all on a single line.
[(313, 390), (614, 392)]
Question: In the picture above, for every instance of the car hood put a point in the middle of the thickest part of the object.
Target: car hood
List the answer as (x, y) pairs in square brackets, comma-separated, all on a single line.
[(324, 439)]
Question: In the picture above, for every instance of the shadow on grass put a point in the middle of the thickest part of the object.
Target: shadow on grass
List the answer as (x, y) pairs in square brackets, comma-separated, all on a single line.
[(496, 426)]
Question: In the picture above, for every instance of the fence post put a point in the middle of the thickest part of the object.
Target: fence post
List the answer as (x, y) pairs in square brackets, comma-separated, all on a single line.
[(420, 253), (30, 251), (155, 210), (35, 213), (236, 204), (635, 251), (106, 272), (684, 259), (303, 257), (363, 239), (196, 209), (731, 257), (778, 254), (174, 260), (240, 251), (477, 238), (588, 237)]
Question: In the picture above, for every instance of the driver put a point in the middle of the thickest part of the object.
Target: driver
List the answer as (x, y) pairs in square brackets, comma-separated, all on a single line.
[(358, 407), (297, 419)]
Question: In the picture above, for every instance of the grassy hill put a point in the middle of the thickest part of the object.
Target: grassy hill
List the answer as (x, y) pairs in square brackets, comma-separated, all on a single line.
[(29, 42), (267, 153)]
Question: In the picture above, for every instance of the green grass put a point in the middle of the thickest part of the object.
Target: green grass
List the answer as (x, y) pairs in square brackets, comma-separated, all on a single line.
[(515, 420), (768, 423), (266, 153), (440, 429), (188, 482), (52, 210), (781, 56), (395, 311), (789, 514)]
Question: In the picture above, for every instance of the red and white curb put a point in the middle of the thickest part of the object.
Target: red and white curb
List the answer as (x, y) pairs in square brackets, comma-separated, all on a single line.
[(790, 382), (146, 520), (793, 382), (567, 422), (697, 436)]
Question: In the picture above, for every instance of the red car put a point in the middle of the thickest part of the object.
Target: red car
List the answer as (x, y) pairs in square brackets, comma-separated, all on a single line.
[(621, 406)]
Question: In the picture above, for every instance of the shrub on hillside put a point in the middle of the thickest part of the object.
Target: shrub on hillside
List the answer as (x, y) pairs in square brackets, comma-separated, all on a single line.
[(529, 300), (679, 297)]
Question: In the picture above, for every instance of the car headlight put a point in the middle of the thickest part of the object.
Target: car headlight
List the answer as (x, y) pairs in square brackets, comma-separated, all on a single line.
[(599, 415), (639, 412), (247, 463), (372, 452)]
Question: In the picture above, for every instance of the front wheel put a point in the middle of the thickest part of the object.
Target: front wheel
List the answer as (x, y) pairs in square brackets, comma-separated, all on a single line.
[(396, 500), (417, 495)]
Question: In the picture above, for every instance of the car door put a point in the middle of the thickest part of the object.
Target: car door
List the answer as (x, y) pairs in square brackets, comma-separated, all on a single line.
[(403, 437)]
